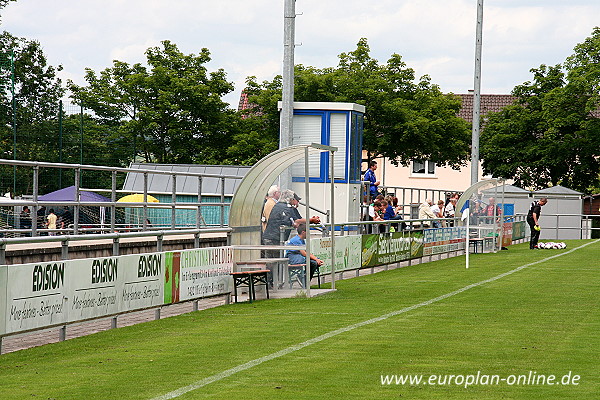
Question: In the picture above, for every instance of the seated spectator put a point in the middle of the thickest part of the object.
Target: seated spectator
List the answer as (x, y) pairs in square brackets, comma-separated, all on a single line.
[(449, 211), (425, 212), (299, 256), (372, 214), (390, 215), (438, 211)]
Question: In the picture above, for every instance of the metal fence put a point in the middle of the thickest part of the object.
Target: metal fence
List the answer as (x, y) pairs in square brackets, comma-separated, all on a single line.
[(112, 216)]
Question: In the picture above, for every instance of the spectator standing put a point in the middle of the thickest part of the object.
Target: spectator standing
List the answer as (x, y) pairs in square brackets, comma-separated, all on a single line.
[(66, 218), (51, 222), (492, 210), (25, 220), (284, 213), (272, 196), (41, 216), (372, 179)]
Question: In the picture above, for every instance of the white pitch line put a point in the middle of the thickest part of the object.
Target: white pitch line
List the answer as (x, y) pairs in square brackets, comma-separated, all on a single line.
[(227, 373)]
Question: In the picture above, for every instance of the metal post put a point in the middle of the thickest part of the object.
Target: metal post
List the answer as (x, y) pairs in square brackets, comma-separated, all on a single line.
[(115, 251), (307, 196), (60, 141), (34, 219), (113, 200), (14, 118), (476, 96), (76, 207), (81, 132), (199, 211), (332, 207), (222, 202), (173, 200), (159, 243), (2, 253), (287, 108), (64, 254), (145, 210)]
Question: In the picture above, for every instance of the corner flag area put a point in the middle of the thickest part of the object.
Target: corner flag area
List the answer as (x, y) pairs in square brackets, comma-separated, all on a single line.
[(517, 324)]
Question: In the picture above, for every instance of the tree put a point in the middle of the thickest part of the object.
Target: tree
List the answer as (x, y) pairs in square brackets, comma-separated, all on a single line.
[(404, 119), (37, 91), (551, 135), (171, 110)]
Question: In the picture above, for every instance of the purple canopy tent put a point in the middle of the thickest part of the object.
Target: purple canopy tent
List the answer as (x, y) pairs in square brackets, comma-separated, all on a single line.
[(68, 194)]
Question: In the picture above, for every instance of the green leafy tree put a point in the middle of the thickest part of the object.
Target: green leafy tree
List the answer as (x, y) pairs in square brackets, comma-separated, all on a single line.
[(37, 91), (170, 111), (405, 119), (551, 135)]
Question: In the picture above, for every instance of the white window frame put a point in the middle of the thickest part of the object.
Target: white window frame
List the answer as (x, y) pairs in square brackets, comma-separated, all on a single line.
[(427, 164)]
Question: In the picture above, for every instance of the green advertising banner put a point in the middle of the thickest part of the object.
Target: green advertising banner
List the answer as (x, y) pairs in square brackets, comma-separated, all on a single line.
[(391, 247), (347, 252), (518, 230)]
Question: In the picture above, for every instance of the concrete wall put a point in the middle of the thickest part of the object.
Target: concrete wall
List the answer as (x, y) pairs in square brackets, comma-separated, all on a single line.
[(20, 254)]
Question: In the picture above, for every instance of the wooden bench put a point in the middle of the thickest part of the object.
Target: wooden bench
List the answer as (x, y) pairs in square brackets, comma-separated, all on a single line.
[(296, 273), (249, 279), (475, 243), (275, 265)]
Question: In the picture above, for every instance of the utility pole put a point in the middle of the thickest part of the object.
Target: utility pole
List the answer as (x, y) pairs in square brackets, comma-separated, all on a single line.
[(287, 108), (476, 96)]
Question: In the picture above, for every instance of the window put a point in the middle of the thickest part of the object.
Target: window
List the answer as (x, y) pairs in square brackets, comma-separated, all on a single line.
[(423, 168)]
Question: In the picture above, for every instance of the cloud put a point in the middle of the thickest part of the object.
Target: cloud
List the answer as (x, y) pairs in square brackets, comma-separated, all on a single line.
[(435, 37)]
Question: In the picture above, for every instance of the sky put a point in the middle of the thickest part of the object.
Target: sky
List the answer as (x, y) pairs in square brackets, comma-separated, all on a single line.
[(245, 38)]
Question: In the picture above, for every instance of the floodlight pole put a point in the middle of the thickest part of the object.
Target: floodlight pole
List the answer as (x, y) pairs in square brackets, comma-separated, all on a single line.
[(287, 95), (476, 96)]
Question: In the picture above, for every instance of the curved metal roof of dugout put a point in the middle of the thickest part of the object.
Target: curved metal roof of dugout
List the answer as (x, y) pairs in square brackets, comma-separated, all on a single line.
[(247, 202)]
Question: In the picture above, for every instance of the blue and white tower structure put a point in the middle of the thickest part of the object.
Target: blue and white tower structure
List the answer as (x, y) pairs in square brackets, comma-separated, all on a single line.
[(338, 125)]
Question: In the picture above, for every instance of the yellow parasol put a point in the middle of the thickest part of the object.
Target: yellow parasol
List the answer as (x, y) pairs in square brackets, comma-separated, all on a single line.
[(137, 198)]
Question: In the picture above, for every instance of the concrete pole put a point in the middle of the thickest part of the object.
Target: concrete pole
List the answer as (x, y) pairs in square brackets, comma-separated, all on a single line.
[(476, 96), (287, 108)]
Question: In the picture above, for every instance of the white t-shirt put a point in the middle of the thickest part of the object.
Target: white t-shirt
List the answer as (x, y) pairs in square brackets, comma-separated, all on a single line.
[(435, 209), (450, 210)]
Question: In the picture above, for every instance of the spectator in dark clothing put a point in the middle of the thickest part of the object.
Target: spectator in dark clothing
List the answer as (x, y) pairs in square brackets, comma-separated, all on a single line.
[(284, 213), (25, 220), (66, 218), (41, 217)]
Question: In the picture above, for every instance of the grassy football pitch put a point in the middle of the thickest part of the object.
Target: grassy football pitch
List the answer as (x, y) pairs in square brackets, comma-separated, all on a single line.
[(498, 330)]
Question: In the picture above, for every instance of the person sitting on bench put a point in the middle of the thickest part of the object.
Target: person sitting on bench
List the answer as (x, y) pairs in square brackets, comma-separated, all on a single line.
[(297, 257)]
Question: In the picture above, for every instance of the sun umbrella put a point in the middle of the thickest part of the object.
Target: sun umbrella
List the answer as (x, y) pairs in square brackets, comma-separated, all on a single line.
[(137, 198)]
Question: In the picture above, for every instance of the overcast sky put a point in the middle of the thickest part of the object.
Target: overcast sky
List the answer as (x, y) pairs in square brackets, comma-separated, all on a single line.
[(245, 37)]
